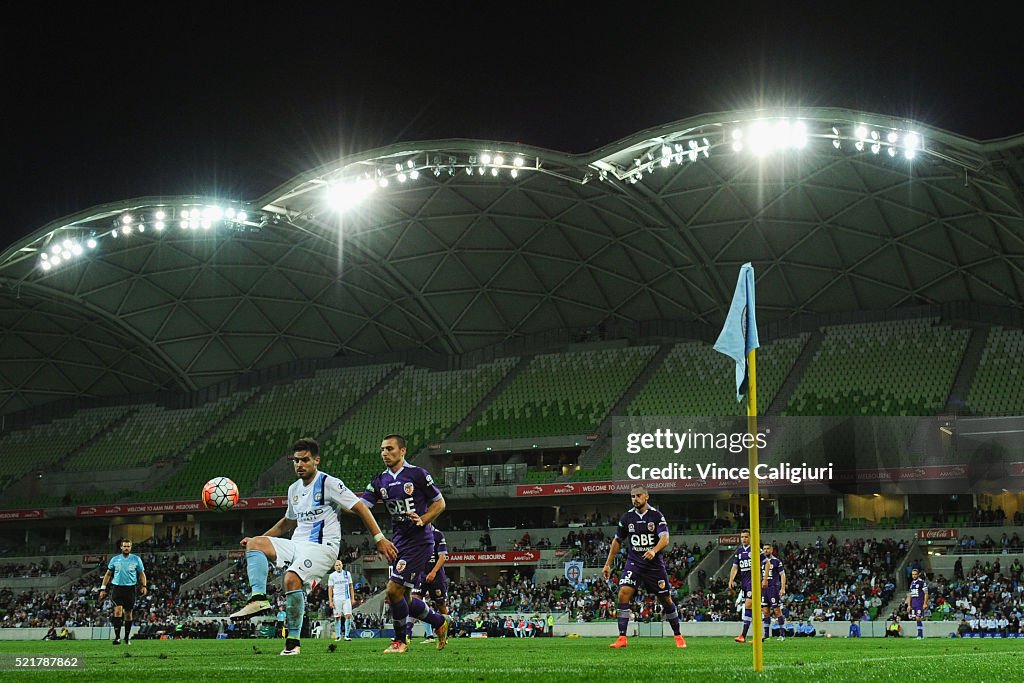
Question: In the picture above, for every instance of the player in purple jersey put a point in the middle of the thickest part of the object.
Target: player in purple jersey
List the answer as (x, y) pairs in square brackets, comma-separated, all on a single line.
[(917, 599), (433, 584), (773, 587), (643, 532), (741, 569), (413, 501)]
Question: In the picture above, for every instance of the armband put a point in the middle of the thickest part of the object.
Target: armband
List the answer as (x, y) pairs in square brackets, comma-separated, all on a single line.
[(379, 537), (103, 587)]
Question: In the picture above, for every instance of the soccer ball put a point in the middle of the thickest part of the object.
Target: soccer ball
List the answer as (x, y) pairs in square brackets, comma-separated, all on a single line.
[(220, 493)]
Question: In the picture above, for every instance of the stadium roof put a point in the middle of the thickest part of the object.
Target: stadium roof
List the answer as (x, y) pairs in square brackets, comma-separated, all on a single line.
[(464, 255)]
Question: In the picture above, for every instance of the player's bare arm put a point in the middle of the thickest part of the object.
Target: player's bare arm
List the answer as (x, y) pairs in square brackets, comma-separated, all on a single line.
[(386, 547), (432, 574), (659, 546), (732, 576), (142, 583), (606, 571), (432, 513)]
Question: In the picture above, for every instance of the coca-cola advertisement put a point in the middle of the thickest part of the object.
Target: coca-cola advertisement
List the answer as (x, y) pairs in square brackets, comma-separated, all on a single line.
[(937, 534), (729, 539)]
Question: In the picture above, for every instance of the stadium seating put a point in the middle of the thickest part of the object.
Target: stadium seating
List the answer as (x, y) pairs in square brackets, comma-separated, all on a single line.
[(419, 404), (561, 393), (252, 440), (903, 367), (44, 444), (998, 387), (152, 433), (694, 379)]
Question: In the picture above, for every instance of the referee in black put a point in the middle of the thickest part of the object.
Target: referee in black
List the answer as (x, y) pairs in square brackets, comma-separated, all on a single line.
[(126, 571)]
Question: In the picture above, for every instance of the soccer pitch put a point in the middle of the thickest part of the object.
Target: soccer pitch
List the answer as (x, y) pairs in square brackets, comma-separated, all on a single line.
[(559, 659)]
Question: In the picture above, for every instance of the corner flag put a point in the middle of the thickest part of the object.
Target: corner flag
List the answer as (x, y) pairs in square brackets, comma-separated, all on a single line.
[(739, 334)]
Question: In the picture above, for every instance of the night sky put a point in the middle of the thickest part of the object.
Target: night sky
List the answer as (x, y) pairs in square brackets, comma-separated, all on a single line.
[(130, 100)]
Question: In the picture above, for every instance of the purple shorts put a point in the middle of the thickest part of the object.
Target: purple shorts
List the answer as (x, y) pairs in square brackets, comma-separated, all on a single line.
[(410, 564), (436, 589), (916, 611), (770, 598), (651, 578)]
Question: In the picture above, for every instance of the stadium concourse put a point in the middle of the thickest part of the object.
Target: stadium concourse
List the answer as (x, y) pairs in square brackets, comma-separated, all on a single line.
[(505, 308)]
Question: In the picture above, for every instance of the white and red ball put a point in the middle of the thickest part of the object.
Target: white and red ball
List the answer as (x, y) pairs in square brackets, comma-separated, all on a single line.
[(220, 493)]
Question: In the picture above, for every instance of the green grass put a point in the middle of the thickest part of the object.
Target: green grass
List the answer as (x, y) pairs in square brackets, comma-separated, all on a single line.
[(559, 659)]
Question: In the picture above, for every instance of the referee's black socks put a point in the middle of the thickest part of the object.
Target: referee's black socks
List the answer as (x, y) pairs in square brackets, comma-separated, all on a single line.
[(128, 630), (117, 621)]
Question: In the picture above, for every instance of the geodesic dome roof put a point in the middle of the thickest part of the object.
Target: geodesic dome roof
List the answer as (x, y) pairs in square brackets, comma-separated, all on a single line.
[(455, 245)]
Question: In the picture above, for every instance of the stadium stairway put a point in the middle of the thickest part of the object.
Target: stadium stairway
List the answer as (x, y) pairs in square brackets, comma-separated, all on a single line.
[(162, 474), (595, 455), (99, 435), (475, 414), (225, 566), (712, 566), (372, 605), (968, 368), (796, 373), (281, 471)]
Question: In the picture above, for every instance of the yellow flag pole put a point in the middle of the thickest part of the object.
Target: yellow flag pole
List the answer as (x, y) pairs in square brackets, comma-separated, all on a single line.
[(755, 514)]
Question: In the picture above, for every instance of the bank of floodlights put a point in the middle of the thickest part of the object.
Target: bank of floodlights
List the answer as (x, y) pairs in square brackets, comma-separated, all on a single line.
[(73, 243), (352, 185)]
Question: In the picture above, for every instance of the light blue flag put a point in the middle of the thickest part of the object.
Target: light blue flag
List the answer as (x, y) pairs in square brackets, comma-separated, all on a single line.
[(739, 334)]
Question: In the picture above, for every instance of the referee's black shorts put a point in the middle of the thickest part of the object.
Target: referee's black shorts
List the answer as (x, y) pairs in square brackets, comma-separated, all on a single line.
[(123, 596)]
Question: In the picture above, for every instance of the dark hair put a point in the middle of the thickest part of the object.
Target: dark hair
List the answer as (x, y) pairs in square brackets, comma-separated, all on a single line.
[(397, 437), (745, 531), (123, 540), (307, 443), (641, 487)]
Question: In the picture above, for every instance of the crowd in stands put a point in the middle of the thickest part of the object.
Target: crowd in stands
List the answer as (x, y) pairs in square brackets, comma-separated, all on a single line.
[(988, 592), (78, 604), (854, 578), (34, 569), (1004, 544)]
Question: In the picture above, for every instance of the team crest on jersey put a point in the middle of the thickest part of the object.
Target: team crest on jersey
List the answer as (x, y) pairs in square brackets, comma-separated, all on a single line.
[(295, 499), (661, 584), (383, 492), (307, 564), (650, 526), (408, 488), (630, 528), (318, 498), (400, 567)]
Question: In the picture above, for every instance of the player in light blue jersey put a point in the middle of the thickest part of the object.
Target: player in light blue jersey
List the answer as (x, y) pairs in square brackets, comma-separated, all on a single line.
[(339, 597), (314, 502), (124, 573)]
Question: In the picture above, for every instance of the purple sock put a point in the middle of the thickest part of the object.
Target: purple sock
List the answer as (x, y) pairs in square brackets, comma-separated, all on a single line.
[(747, 618), (399, 611), (420, 610), (782, 623), (623, 615), (673, 620)]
